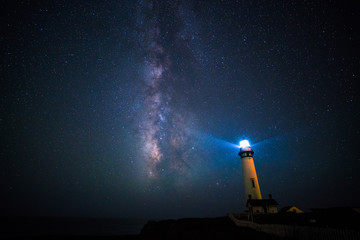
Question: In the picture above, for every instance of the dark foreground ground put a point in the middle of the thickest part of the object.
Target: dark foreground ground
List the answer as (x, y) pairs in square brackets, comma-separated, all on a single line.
[(200, 228), (347, 219), (194, 228)]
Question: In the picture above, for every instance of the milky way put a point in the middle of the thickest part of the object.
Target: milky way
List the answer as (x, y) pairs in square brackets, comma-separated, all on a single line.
[(164, 128)]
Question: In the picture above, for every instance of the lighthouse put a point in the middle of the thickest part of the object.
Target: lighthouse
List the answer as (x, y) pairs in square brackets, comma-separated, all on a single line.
[(251, 183)]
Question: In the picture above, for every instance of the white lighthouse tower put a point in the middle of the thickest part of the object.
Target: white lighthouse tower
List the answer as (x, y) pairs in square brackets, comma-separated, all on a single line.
[(251, 183)]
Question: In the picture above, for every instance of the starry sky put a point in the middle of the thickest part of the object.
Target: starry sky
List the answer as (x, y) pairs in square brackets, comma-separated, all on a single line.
[(136, 108)]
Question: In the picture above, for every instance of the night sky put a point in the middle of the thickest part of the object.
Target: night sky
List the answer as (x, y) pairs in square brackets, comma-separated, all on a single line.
[(136, 108)]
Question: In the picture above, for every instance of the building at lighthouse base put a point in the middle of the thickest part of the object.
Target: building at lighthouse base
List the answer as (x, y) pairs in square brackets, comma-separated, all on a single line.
[(260, 206)]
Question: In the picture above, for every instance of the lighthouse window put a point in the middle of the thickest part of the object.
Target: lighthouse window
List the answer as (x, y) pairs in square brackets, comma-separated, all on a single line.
[(253, 182)]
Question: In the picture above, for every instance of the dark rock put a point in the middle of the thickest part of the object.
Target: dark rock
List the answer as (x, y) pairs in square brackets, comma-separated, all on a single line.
[(199, 228)]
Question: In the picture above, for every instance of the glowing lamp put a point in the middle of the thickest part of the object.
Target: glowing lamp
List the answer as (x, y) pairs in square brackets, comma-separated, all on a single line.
[(244, 144)]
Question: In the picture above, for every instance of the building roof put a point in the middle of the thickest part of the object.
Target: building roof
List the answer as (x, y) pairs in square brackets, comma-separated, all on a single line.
[(288, 208), (261, 202)]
